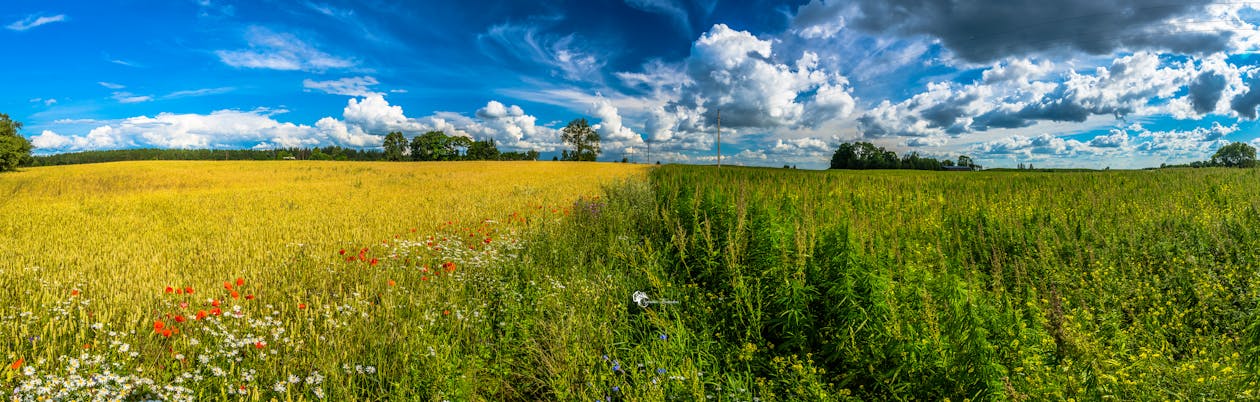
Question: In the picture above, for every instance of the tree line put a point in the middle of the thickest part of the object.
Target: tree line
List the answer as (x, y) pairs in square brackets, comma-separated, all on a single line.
[(437, 146), (864, 155), (1237, 154), (117, 155), (430, 146), (320, 153)]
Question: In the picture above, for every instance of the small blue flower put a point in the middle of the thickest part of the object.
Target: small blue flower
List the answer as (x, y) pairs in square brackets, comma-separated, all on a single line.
[(617, 366), (660, 371), (664, 337), (616, 388)]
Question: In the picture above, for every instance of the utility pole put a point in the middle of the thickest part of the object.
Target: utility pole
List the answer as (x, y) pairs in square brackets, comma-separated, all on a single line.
[(719, 138)]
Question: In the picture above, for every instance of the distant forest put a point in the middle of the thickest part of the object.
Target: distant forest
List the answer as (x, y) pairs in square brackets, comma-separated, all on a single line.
[(864, 155), (325, 153)]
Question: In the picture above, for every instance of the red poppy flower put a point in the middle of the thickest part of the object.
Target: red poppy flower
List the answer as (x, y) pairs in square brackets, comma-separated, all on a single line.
[(216, 311), (214, 303), (446, 312), (17, 364), (179, 319), (249, 297), (74, 292), (424, 278), (158, 325), (374, 262), (391, 282), (487, 240), (170, 289), (342, 252), (201, 314), (240, 281), (235, 295), (166, 333), (227, 285), (188, 290), (260, 345), (301, 306)]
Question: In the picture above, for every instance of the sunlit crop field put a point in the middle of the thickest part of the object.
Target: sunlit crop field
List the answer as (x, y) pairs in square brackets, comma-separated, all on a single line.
[(288, 279)]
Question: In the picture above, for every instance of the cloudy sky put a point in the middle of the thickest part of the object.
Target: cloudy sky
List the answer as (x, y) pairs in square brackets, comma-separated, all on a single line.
[(1119, 83)]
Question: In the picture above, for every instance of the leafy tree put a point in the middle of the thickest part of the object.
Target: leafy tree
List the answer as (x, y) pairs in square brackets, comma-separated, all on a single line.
[(319, 155), (583, 139), (964, 160), (483, 150), (430, 146), (865, 155), (395, 144), (14, 148), (845, 157), (1237, 154)]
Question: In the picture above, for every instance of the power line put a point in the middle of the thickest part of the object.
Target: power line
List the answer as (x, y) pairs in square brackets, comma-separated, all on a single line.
[(719, 138)]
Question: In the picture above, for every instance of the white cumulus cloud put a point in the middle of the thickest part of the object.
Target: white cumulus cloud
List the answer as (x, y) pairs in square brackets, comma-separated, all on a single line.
[(741, 75)]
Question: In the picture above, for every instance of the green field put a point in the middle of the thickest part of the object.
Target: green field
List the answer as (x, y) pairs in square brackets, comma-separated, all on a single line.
[(1104, 285), (774, 285)]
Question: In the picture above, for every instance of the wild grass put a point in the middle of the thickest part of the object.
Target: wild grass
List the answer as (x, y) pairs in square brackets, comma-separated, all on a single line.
[(934, 285), (517, 284)]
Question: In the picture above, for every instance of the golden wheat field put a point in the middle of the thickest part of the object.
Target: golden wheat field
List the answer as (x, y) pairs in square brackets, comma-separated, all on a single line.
[(194, 280)]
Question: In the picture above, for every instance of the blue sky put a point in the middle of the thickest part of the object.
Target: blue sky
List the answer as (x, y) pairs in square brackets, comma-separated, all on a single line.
[(1121, 83)]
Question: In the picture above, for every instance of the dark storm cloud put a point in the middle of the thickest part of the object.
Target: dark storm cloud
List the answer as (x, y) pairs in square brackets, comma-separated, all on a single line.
[(1205, 91), (871, 127), (1057, 109), (1246, 103), (945, 115), (1049, 108), (985, 30)]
